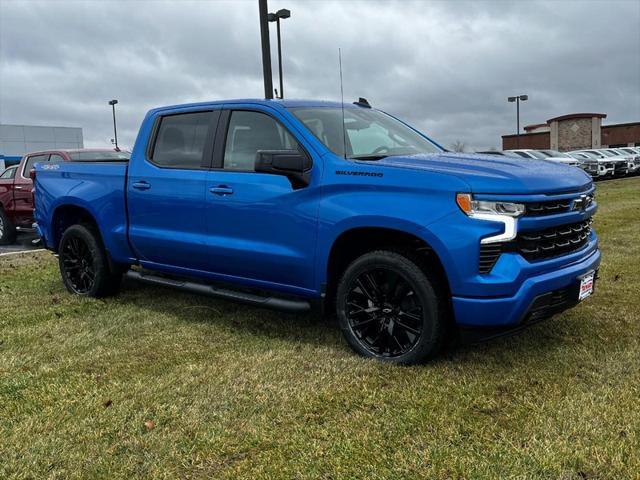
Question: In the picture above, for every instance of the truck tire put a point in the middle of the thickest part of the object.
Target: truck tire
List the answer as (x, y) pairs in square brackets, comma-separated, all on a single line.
[(388, 309), (7, 229), (84, 265)]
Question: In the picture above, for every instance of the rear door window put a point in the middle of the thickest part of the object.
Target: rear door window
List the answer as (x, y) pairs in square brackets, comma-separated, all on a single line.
[(181, 140), (31, 161), (9, 173)]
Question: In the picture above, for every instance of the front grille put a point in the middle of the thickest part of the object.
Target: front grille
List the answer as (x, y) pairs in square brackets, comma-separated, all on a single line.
[(620, 168), (552, 207), (547, 208), (489, 255), (553, 242)]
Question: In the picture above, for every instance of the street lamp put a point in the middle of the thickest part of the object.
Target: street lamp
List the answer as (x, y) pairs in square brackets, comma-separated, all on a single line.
[(275, 17), (115, 130), (518, 99)]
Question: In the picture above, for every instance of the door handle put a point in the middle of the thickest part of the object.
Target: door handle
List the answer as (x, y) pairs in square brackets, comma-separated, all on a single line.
[(221, 190), (18, 187), (141, 185)]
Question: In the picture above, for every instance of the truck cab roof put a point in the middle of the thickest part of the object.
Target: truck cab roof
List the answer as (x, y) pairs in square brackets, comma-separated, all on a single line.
[(278, 103)]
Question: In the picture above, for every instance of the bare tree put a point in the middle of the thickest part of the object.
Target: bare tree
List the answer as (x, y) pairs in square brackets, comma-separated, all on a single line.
[(458, 146)]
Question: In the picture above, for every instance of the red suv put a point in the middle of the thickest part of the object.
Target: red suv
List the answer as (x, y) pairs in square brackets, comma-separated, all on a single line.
[(16, 198)]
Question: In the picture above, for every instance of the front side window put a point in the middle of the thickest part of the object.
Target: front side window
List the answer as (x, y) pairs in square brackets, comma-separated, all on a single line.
[(249, 132), (31, 161), (363, 134), (9, 173), (55, 158), (181, 140)]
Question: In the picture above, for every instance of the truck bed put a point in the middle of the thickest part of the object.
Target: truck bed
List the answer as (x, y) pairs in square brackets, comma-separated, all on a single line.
[(97, 187)]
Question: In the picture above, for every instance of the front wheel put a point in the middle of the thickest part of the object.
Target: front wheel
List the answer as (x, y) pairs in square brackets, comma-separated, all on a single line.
[(388, 309), (84, 265)]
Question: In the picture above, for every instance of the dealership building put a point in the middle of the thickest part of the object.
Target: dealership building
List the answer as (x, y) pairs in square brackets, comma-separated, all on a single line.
[(575, 131), (16, 140)]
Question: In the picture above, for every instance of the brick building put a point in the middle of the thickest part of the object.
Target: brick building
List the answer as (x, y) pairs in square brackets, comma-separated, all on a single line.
[(575, 131)]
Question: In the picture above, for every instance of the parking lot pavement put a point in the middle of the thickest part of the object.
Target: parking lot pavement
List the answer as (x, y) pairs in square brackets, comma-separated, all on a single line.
[(23, 244)]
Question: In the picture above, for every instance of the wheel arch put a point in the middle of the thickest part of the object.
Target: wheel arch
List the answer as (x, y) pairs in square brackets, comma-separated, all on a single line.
[(66, 215), (357, 241)]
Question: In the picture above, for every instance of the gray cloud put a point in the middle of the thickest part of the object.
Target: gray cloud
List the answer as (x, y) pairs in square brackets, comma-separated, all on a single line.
[(446, 66)]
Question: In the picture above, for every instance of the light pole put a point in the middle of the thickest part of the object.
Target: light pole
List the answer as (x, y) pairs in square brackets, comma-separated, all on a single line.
[(266, 49), (115, 130), (275, 17), (518, 99)]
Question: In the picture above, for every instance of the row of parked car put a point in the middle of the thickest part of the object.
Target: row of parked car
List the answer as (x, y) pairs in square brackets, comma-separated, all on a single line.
[(597, 162), (16, 196)]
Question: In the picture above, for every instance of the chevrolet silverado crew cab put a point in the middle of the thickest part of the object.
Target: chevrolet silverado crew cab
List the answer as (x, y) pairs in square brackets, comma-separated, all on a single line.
[(287, 204)]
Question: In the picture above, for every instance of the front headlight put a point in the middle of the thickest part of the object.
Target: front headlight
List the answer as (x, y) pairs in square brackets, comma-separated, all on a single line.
[(474, 207), (504, 212)]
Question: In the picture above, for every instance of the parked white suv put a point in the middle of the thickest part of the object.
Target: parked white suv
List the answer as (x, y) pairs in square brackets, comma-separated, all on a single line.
[(594, 164), (542, 155), (633, 157), (620, 163)]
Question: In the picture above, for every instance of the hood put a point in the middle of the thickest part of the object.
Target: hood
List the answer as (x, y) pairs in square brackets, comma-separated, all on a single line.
[(494, 174), (565, 160)]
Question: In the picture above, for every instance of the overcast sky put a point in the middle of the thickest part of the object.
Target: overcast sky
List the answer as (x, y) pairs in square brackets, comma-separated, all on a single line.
[(445, 66)]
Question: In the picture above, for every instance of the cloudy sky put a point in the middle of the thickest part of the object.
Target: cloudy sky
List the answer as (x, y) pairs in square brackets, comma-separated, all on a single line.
[(445, 66)]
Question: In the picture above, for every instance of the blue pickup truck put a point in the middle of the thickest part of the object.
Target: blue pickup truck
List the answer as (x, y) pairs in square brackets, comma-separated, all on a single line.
[(290, 204)]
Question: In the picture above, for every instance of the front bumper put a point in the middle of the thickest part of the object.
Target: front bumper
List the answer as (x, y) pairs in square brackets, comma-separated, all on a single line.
[(515, 310)]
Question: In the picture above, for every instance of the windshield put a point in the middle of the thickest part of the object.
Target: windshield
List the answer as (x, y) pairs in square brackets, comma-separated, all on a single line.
[(370, 134), (595, 154), (606, 153), (538, 155), (555, 153), (99, 156), (613, 153)]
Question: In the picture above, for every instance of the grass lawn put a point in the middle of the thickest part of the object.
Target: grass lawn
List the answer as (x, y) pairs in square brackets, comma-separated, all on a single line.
[(160, 384)]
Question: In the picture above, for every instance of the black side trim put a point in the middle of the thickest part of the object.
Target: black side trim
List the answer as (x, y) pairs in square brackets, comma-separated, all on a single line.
[(218, 291)]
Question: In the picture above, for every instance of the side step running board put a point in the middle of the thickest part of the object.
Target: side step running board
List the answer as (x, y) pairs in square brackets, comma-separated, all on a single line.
[(290, 305)]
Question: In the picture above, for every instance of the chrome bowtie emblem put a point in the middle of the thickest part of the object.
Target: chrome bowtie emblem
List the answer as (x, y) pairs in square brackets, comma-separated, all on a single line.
[(581, 203)]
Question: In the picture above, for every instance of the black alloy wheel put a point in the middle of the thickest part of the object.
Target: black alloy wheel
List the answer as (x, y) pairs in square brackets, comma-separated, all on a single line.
[(388, 309), (84, 263), (77, 264), (384, 312)]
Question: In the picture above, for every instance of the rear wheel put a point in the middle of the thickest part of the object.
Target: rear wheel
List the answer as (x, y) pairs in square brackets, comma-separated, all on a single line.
[(388, 309), (7, 229), (84, 265)]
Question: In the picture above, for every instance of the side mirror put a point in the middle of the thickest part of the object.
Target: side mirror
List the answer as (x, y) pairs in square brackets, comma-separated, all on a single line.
[(294, 165)]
